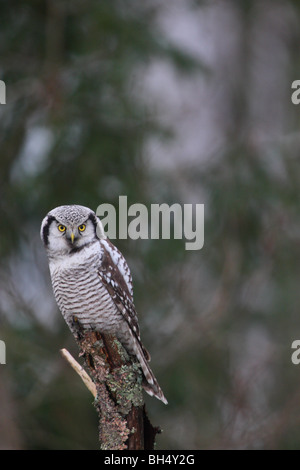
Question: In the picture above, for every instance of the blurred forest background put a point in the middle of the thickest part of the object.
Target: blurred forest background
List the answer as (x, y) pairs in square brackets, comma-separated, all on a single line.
[(186, 102)]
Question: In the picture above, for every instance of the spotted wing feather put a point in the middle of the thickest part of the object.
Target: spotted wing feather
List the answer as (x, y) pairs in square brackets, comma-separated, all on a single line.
[(119, 286)]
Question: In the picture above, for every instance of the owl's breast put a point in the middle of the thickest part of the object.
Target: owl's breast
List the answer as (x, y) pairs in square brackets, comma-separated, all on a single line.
[(80, 293)]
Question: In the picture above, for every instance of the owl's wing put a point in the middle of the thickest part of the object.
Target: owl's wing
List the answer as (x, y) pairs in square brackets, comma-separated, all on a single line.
[(114, 262), (116, 277)]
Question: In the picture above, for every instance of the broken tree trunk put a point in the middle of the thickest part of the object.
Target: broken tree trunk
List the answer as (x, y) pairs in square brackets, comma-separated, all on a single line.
[(117, 382)]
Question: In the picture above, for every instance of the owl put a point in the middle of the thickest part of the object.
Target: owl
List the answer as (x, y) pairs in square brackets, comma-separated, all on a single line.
[(92, 282)]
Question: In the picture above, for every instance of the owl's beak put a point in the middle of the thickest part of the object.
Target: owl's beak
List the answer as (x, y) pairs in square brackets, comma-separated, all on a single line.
[(72, 237)]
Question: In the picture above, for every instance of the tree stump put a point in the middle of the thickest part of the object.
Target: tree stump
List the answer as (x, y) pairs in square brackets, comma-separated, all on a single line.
[(123, 421)]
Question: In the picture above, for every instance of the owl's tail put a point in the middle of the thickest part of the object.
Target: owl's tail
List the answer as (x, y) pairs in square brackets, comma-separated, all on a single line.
[(150, 383)]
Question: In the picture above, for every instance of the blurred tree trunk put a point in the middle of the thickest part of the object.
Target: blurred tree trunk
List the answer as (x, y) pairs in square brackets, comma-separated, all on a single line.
[(10, 438)]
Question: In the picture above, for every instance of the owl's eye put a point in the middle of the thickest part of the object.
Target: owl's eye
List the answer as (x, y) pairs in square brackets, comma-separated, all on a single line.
[(82, 228), (61, 228)]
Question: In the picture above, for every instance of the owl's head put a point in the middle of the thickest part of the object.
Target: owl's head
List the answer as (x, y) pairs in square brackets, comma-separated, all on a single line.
[(70, 228)]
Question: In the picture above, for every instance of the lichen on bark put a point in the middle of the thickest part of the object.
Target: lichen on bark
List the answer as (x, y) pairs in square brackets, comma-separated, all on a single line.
[(123, 422), (125, 383)]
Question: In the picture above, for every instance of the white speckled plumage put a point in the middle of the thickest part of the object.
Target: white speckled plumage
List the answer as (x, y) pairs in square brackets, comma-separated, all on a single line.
[(92, 282)]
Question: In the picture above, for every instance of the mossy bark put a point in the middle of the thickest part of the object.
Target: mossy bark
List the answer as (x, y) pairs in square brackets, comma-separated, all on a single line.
[(123, 422)]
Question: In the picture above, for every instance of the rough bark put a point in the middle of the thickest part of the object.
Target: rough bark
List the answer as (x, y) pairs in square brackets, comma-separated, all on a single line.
[(123, 422)]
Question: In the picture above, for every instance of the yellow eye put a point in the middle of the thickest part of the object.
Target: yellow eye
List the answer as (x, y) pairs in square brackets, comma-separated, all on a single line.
[(61, 228), (82, 228)]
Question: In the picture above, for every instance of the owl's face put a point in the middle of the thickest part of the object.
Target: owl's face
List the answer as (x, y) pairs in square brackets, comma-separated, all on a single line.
[(67, 229)]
